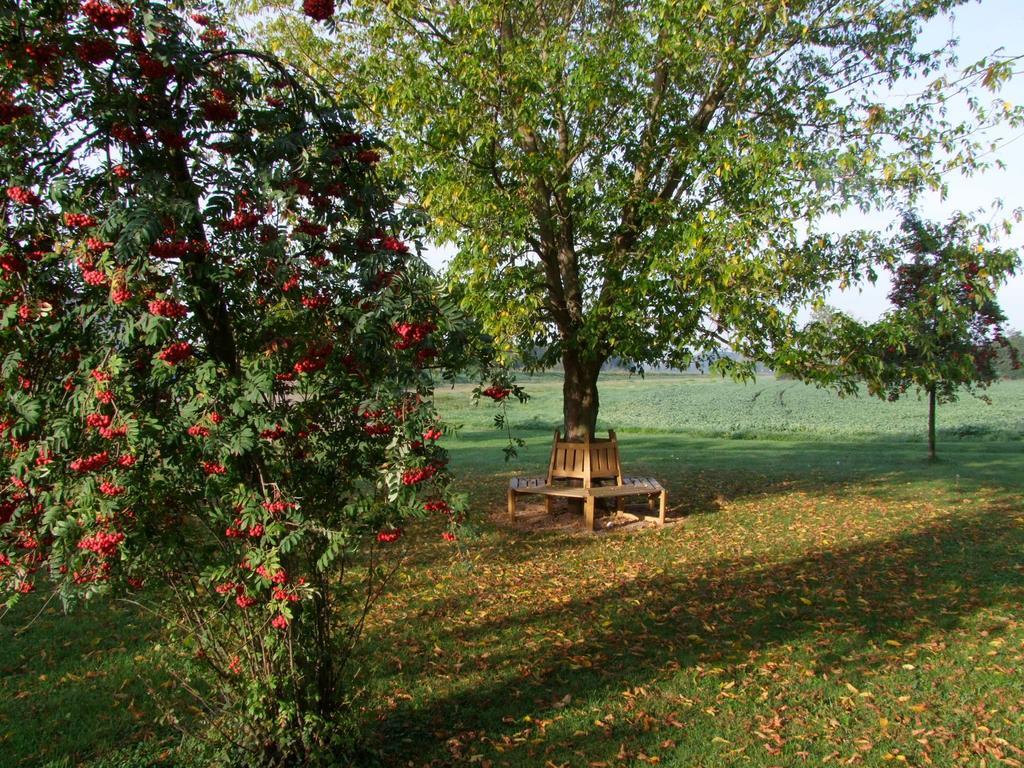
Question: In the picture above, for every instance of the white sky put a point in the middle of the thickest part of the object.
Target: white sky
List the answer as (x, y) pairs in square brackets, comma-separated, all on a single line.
[(982, 27)]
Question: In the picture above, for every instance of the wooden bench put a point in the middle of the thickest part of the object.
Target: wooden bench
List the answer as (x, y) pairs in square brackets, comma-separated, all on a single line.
[(587, 461)]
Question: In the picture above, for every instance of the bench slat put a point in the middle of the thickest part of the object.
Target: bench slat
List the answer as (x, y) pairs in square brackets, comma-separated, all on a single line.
[(599, 492)]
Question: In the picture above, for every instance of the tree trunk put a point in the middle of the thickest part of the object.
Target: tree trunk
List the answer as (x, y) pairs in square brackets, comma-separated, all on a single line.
[(579, 395), (931, 424)]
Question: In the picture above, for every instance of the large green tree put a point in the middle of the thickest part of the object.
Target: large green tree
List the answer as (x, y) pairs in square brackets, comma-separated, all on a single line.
[(648, 179)]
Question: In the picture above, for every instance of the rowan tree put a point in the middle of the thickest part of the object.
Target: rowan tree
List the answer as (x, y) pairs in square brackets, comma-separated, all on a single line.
[(217, 354)]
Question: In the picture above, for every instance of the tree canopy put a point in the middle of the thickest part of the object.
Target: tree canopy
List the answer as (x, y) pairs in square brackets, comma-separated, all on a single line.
[(648, 180)]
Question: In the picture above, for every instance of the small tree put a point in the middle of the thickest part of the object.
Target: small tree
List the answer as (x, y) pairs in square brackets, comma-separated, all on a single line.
[(216, 358), (943, 333)]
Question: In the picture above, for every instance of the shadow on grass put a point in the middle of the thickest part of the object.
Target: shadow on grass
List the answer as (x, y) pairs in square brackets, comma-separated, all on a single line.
[(74, 678), (841, 604), (701, 474)]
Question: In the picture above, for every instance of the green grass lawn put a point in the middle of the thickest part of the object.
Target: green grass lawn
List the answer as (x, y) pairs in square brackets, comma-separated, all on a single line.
[(823, 596)]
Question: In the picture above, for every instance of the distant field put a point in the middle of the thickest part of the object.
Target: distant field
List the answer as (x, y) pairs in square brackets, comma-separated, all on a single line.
[(712, 407)]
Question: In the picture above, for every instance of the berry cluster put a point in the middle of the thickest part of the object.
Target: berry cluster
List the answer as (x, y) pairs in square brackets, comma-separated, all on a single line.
[(120, 295), (42, 53), (94, 277), (154, 69), (9, 111), (96, 50), (310, 228), (314, 360), (276, 433), (316, 302), (23, 196), (390, 535), (285, 595), (108, 488), (79, 220), (127, 134), (102, 543), (237, 530), (167, 308), (90, 463), (412, 333), (211, 36), (219, 108), (240, 221), (109, 433), (394, 245), (279, 506), (496, 392), (108, 17), (177, 249), (368, 156), (98, 420), (176, 352), (418, 474), (318, 10)]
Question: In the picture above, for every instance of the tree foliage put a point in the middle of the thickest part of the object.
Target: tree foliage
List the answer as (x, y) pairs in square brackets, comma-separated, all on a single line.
[(943, 333), (647, 180), (217, 357)]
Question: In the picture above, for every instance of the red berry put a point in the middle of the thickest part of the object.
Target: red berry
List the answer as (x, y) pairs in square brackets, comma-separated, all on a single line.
[(389, 536), (79, 220), (167, 308), (96, 50), (23, 196), (175, 353), (153, 68), (105, 16), (318, 10)]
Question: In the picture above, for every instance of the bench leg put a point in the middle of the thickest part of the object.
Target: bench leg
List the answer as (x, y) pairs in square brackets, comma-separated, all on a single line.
[(588, 513), (547, 504), (663, 502), (511, 505)]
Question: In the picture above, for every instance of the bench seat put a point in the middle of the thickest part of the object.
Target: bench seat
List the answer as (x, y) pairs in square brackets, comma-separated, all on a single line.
[(631, 486), (586, 462)]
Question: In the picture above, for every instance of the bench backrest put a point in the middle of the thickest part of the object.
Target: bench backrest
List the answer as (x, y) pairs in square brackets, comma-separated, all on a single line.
[(587, 461)]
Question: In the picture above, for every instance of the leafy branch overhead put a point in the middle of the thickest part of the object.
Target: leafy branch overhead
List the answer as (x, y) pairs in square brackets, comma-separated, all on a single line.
[(649, 180)]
